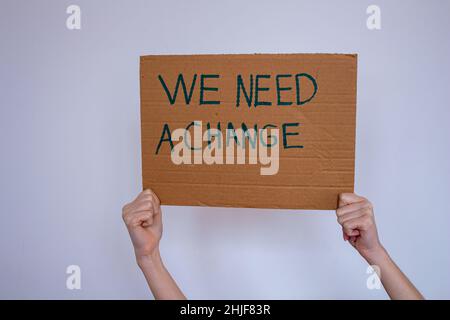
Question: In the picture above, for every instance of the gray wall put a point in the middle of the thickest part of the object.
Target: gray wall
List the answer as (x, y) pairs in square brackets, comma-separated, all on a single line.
[(70, 149)]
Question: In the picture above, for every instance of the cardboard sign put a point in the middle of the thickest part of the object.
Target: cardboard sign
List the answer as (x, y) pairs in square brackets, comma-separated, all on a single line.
[(301, 107)]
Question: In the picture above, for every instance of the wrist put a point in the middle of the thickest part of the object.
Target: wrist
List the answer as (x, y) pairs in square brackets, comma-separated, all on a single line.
[(375, 255), (149, 260)]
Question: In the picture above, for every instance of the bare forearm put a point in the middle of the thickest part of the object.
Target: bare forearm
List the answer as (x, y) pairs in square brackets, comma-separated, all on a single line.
[(395, 282), (161, 283)]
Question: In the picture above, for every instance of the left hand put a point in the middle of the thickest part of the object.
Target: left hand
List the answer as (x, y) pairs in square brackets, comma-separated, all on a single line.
[(143, 219), (355, 215)]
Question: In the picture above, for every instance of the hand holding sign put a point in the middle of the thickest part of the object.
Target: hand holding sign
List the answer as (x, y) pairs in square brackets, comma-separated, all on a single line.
[(355, 215), (143, 219)]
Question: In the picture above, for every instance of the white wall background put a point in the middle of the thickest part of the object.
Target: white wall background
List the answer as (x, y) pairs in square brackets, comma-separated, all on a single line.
[(70, 149)]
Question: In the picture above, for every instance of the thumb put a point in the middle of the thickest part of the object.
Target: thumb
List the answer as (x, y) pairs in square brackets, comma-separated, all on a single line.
[(157, 217)]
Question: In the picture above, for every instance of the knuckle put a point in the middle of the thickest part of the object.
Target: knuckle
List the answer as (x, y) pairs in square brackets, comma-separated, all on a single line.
[(144, 205), (147, 197), (127, 219), (148, 205)]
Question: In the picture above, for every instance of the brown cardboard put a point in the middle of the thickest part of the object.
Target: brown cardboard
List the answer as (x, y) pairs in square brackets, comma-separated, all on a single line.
[(308, 178)]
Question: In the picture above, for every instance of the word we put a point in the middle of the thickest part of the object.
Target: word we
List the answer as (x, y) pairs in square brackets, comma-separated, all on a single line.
[(249, 90), (207, 147)]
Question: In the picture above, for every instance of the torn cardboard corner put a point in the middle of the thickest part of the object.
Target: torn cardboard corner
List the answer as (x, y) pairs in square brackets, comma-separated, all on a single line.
[(304, 106)]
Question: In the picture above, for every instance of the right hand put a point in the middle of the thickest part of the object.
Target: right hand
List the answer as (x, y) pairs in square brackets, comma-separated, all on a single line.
[(143, 219)]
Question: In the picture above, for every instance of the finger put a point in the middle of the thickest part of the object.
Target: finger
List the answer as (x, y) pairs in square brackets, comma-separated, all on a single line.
[(155, 197), (137, 208), (140, 203), (346, 237), (352, 207), (142, 206), (157, 207), (157, 213), (147, 196), (142, 197), (139, 218), (351, 232), (157, 217), (148, 222), (362, 223), (347, 233), (349, 198), (351, 215)]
